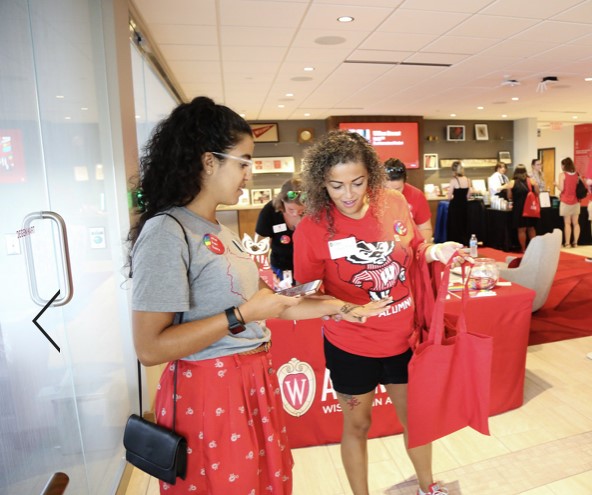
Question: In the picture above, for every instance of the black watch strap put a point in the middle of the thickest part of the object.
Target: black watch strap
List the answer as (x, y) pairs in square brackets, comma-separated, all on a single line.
[(234, 325)]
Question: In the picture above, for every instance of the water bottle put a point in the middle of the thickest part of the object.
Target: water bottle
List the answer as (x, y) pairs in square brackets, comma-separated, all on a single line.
[(473, 246)]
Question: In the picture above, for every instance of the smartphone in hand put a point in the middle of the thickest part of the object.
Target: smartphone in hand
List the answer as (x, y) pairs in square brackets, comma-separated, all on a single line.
[(302, 289)]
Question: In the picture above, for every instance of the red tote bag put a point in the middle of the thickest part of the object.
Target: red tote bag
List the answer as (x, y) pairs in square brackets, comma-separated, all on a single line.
[(532, 207), (449, 378)]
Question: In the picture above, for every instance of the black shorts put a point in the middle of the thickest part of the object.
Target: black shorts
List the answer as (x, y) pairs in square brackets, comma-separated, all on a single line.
[(357, 375)]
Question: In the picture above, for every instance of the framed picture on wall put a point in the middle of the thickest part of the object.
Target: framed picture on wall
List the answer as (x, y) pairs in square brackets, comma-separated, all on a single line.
[(504, 157), (455, 133), (481, 132), (260, 196), (430, 161), (244, 198), (265, 133)]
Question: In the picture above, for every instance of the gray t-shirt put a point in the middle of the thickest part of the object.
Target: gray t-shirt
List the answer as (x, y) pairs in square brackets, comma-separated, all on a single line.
[(220, 275)]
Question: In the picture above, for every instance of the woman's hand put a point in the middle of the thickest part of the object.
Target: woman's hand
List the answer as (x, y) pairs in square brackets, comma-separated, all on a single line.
[(355, 313), (266, 304), (444, 251)]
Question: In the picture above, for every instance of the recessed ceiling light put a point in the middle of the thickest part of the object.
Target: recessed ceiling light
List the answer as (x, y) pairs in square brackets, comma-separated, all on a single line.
[(67, 118), (60, 97), (453, 115), (308, 69), (307, 114), (83, 108), (289, 94), (345, 18), (515, 98), (504, 115), (479, 108), (575, 117), (588, 79), (281, 106)]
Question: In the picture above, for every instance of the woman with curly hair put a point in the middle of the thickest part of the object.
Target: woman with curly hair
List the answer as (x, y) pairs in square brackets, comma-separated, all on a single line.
[(359, 238), (199, 305)]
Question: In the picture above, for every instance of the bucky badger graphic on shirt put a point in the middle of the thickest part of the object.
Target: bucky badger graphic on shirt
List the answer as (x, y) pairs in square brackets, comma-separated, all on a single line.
[(374, 268)]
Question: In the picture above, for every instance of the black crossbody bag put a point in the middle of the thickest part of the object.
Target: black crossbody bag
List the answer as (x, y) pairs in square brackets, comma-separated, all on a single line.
[(154, 449)]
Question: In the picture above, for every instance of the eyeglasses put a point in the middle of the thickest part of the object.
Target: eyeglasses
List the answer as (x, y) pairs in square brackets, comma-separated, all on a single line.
[(232, 157), (396, 172), (397, 169), (293, 195)]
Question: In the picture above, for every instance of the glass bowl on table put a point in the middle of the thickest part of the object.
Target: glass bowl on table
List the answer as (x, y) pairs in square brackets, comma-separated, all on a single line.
[(483, 274)]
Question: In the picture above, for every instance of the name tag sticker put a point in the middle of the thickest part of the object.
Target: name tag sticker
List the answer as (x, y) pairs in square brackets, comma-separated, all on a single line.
[(280, 227), (342, 247)]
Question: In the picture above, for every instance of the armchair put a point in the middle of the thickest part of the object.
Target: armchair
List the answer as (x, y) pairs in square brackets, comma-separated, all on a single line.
[(537, 267)]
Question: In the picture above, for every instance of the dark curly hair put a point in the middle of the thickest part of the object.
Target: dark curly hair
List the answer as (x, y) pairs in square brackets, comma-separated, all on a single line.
[(171, 166), (334, 148)]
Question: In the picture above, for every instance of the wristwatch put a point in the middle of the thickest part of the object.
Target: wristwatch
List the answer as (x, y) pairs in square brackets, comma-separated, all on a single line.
[(234, 325)]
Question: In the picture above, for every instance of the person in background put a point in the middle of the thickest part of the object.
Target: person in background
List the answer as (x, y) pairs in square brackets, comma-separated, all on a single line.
[(517, 192), (418, 204), (198, 302), (459, 191), (588, 182), (359, 238), (537, 174), (498, 181), (277, 220), (569, 206)]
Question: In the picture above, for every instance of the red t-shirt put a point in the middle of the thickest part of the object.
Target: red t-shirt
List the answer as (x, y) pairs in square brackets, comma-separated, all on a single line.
[(418, 204), (568, 195), (366, 259)]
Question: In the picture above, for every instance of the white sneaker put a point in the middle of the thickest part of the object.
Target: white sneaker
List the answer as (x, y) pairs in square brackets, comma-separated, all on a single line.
[(434, 489)]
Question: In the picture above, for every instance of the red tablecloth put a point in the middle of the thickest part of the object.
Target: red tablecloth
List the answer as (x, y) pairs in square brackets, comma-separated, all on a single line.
[(313, 415)]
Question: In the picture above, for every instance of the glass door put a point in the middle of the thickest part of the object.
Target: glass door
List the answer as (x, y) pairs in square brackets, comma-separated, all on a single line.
[(65, 396)]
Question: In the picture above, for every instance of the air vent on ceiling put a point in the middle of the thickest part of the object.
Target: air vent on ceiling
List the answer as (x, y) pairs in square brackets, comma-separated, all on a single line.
[(388, 62)]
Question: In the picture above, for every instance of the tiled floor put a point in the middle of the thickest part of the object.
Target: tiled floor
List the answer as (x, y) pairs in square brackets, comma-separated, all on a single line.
[(542, 448)]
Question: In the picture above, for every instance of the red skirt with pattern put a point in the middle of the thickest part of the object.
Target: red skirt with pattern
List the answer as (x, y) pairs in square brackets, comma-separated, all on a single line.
[(230, 411)]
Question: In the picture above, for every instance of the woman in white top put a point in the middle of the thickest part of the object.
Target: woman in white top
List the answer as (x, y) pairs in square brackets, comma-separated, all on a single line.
[(537, 174)]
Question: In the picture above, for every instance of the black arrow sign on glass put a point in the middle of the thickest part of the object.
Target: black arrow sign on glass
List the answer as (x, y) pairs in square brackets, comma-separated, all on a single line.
[(39, 315)]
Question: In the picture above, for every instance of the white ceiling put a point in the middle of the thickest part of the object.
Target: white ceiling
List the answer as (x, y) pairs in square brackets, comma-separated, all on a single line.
[(250, 54)]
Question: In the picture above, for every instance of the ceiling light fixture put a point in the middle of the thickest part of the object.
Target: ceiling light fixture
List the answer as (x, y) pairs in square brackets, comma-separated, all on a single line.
[(510, 82), (453, 115), (545, 81), (308, 69), (345, 18), (480, 108), (515, 98), (587, 79)]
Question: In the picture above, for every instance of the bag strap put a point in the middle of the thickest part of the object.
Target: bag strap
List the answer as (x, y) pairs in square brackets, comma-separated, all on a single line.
[(180, 321), (436, 332), (174, 391)]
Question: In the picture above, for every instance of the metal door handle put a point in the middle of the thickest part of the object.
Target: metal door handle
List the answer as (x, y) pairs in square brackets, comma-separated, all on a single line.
[(68, 292)]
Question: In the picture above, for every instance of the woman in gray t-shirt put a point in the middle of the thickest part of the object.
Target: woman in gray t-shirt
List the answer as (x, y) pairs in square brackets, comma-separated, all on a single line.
[(197, 299)]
